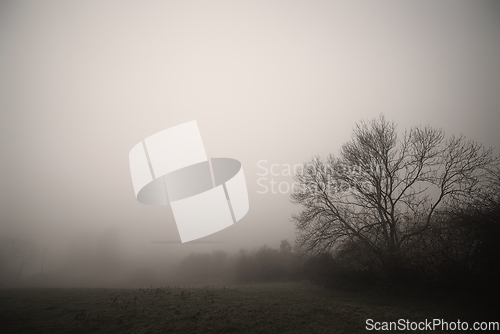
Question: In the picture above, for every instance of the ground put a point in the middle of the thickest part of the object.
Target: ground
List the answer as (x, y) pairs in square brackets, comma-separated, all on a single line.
[(256, 308)]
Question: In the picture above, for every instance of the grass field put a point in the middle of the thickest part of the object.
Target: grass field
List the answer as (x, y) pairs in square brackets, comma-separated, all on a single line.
[(260, 308)]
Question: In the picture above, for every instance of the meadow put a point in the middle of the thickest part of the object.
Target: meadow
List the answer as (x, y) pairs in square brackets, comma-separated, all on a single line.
[(257, 308)]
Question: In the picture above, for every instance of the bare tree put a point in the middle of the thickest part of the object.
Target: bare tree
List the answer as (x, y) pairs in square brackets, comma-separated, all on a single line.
[(385, 189)]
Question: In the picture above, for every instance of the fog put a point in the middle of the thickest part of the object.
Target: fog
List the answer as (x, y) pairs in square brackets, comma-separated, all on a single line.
[(268, 82)]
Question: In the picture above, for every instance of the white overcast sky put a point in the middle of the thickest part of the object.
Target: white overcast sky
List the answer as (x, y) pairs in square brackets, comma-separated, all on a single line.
[(81, 82)]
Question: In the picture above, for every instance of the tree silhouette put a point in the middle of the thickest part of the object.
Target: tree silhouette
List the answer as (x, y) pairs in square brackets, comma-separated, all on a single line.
[(384, 189)]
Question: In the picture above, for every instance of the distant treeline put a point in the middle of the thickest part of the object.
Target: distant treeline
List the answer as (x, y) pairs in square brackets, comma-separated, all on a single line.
[(261, 265), (460, 251)]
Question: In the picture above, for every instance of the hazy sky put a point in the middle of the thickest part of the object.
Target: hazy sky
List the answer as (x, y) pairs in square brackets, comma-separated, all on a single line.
[(81, 82)]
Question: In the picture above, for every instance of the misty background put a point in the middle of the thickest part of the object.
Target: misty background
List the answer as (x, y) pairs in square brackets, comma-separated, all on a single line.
[(82, 82)]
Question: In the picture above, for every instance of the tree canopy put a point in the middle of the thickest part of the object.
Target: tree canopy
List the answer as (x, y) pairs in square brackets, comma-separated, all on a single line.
[(385, 188)]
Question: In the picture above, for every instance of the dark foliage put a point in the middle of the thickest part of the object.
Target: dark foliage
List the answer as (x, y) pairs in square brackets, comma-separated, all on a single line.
[(267, 264)]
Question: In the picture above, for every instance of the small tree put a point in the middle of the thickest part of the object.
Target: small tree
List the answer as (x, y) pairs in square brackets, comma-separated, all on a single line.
[(385, 189)]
